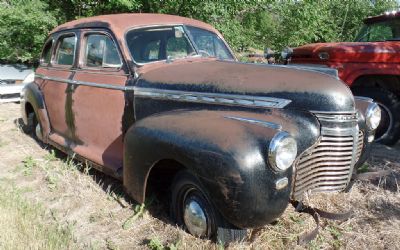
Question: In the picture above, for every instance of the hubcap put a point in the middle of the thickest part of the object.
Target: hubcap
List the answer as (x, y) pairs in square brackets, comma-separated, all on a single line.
[(195, 218)]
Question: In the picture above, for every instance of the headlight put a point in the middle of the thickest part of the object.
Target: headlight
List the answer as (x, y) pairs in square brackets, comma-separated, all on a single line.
[(29, 78), (282, 151), (373, 116)]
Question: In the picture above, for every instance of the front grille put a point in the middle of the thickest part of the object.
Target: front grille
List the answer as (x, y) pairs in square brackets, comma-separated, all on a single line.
[(7, 82), (327, 166)]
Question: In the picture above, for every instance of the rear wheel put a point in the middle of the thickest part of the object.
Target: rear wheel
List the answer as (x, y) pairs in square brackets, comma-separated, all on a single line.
[(388, 131), (33, 127), (192, 210)]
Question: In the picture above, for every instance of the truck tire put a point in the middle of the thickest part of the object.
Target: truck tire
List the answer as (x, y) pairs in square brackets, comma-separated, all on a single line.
[(388, 132), (192, 210)]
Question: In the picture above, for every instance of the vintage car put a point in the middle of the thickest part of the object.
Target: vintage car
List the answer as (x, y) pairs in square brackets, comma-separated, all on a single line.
[(161, 103), (13, 77), (369, 65)]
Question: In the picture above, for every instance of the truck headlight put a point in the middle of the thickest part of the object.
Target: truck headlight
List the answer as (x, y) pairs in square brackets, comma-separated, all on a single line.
[(282, 151), (373, 116)]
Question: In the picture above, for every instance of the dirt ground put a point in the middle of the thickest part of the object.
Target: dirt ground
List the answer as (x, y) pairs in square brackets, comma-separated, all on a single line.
[(100, 216)]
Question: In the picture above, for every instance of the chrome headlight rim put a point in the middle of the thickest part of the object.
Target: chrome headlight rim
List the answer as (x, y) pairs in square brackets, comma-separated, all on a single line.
[(371, 111), (278, 141)]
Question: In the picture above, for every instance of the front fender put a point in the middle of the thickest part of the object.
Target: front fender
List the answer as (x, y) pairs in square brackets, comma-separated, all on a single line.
[(228, 155)]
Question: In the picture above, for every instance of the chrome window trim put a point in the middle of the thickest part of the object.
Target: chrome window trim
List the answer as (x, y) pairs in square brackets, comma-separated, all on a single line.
[(83, 56), (53, 61), (186, 96), (171, 25)]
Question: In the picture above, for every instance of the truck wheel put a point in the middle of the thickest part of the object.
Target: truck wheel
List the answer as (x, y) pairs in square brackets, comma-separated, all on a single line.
[(388, 131), (192, 210)]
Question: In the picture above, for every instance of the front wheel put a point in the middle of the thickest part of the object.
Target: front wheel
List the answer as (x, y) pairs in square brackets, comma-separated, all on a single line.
[(192, 210), (388, 131)]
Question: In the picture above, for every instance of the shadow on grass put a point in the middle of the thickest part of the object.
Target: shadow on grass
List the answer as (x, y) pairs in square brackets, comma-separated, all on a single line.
[(156, 203)]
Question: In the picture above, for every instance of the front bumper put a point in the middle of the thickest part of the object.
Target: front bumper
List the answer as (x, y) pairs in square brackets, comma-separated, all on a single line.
[(10, 93)]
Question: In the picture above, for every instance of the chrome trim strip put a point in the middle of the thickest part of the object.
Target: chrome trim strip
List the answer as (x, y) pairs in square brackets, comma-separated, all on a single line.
[(363, 98), (257, 122), (212, 98), (178, 95), (90, 84)]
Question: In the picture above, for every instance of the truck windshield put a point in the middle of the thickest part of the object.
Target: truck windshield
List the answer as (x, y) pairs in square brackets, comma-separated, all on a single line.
[(388, 30), (161, 43)]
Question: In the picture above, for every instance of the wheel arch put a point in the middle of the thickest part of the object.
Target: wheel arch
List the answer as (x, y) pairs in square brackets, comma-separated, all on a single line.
[(160, 175), (389, 82)]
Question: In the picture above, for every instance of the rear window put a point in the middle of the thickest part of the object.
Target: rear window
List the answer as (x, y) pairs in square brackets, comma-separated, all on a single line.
[(65, 53)]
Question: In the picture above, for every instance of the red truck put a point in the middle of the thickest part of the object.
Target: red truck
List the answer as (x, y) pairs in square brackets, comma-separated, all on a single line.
[(370, 66)]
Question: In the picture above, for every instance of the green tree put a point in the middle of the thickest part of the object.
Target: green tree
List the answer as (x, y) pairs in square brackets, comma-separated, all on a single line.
[(24, 24)]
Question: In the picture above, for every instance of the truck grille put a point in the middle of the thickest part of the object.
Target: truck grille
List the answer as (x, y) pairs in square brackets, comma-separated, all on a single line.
[(327, 166)]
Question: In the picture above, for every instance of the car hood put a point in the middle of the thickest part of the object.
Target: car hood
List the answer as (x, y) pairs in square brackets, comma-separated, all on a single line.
[(306, 89), (350, 51)]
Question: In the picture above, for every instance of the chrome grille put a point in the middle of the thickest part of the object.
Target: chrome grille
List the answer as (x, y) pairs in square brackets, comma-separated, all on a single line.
[(327, 166), (360, 145)]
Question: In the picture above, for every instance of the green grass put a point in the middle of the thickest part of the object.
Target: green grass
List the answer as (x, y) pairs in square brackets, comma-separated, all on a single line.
[(24, 225)]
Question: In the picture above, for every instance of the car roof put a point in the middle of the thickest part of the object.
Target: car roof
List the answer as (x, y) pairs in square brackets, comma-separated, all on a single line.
[(385, 16), (120, 23)]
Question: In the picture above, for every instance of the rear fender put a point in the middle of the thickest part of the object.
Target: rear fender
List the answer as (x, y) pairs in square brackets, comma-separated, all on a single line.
[(31, 95)]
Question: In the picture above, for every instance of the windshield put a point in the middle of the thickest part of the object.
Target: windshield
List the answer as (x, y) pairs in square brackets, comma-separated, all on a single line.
[(388, 30), (162, 43), (208, 43)]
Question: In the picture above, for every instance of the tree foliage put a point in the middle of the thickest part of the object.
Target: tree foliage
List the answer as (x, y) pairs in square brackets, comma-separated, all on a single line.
[(24, 24), (245, 24)]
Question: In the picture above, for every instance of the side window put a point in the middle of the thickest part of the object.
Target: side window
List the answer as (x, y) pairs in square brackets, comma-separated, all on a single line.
[(101, 52), (65, 53), (46, 54), (380, 33)]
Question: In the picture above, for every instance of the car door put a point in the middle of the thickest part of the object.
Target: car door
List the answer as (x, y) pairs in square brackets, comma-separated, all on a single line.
[(54, 83), (99, 100)]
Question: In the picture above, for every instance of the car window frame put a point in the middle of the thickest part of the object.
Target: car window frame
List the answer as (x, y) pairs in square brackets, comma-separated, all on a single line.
[(57, 44), (217, 34), (82, 54), (41, 62)]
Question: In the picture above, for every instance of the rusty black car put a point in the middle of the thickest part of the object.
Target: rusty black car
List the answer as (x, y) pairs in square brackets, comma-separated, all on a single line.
[(160, 102)]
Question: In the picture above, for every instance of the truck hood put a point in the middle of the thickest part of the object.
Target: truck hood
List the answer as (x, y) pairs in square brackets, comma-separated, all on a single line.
[(306, 89), (349, 52)]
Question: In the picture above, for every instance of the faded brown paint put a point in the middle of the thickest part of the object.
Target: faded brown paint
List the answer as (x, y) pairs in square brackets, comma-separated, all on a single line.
[(55, 98), (120, 23), (98, 118)]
